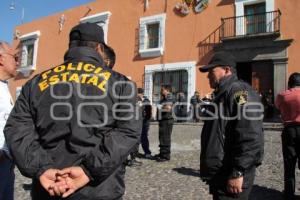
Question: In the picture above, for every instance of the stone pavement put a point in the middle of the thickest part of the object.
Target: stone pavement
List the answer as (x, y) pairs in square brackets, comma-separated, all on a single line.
[(179, 178)]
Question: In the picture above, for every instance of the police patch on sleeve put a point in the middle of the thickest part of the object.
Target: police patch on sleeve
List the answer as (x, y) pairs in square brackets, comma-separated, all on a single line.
[(241, 97)]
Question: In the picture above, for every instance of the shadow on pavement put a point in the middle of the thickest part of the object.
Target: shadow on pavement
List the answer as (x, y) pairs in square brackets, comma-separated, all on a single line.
[(263, 193), (187, 171)]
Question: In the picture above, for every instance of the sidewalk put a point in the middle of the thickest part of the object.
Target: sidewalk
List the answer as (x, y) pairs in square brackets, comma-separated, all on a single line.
[(179, 178)]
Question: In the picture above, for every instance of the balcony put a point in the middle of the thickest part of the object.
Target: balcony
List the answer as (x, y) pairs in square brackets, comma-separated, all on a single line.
[(254, 25)]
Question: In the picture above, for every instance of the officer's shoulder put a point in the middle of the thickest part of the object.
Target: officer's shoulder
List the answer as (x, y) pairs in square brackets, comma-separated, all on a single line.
[(120, 77), (30, 85), (123, 83), (240, 85), (242, 91), (33, 81)]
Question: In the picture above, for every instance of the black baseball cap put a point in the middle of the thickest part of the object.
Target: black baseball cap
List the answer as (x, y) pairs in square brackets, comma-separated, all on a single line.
[(220, 58), (294, 80), (87, 32)]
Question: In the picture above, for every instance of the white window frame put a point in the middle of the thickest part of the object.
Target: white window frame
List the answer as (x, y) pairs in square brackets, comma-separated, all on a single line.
[(189, 66), (152, 52), (98, 18), (30, 36), (240, 8)]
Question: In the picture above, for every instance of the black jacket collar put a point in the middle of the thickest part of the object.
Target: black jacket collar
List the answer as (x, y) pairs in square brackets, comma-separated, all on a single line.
[(85, 54), (224, 85)]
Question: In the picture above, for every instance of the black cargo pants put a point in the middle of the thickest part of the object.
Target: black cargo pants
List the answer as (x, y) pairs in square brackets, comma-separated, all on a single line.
[(291, 153), (165, 131)]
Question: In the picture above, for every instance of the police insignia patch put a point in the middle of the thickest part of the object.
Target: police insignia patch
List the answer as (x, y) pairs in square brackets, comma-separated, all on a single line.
[(241, 97)]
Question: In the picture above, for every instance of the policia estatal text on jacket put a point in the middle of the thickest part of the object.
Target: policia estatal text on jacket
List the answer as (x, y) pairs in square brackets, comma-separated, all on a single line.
[(86, 74)]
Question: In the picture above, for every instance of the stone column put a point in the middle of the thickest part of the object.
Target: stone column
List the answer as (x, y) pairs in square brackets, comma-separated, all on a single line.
[(280, 76)]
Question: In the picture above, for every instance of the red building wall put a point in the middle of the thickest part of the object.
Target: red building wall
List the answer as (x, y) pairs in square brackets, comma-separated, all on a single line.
[(182, 34)]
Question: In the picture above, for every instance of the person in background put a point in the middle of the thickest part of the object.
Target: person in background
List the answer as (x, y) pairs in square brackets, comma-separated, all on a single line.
[(132, 158), (195, 100), (181, 109), (8, 69), (109, 57), (207, 98), (269, 104), (166, 120), (147, 114), (288, 103)]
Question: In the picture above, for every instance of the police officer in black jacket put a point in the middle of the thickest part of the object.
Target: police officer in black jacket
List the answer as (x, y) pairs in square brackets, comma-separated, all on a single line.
[(147, 114), (195, 100), (74, 125), (232, 135), (166, 120)]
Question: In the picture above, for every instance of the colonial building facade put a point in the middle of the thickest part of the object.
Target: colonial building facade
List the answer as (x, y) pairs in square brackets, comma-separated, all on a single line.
[(166, 41)]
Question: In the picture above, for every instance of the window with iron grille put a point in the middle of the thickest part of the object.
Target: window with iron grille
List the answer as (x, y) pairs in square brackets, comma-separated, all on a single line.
[(178, 79)]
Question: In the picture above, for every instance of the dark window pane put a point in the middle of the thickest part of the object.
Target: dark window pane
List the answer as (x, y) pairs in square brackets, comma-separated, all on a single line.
[(153, 35), (255, 18), (30, 50)]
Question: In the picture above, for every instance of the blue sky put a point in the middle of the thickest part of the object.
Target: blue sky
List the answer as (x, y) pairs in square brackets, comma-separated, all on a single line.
[(34, 9)]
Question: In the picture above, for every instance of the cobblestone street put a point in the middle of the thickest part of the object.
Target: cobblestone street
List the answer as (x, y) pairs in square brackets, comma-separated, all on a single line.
[(179, 178)]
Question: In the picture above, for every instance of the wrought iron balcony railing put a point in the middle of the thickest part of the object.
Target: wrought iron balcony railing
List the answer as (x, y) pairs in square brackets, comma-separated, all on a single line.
[(250, 25)]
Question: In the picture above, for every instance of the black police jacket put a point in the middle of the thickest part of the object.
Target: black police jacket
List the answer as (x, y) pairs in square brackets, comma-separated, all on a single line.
[(232, 135), (195, 100), (146, 110), (164, 114), (80, 113)]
